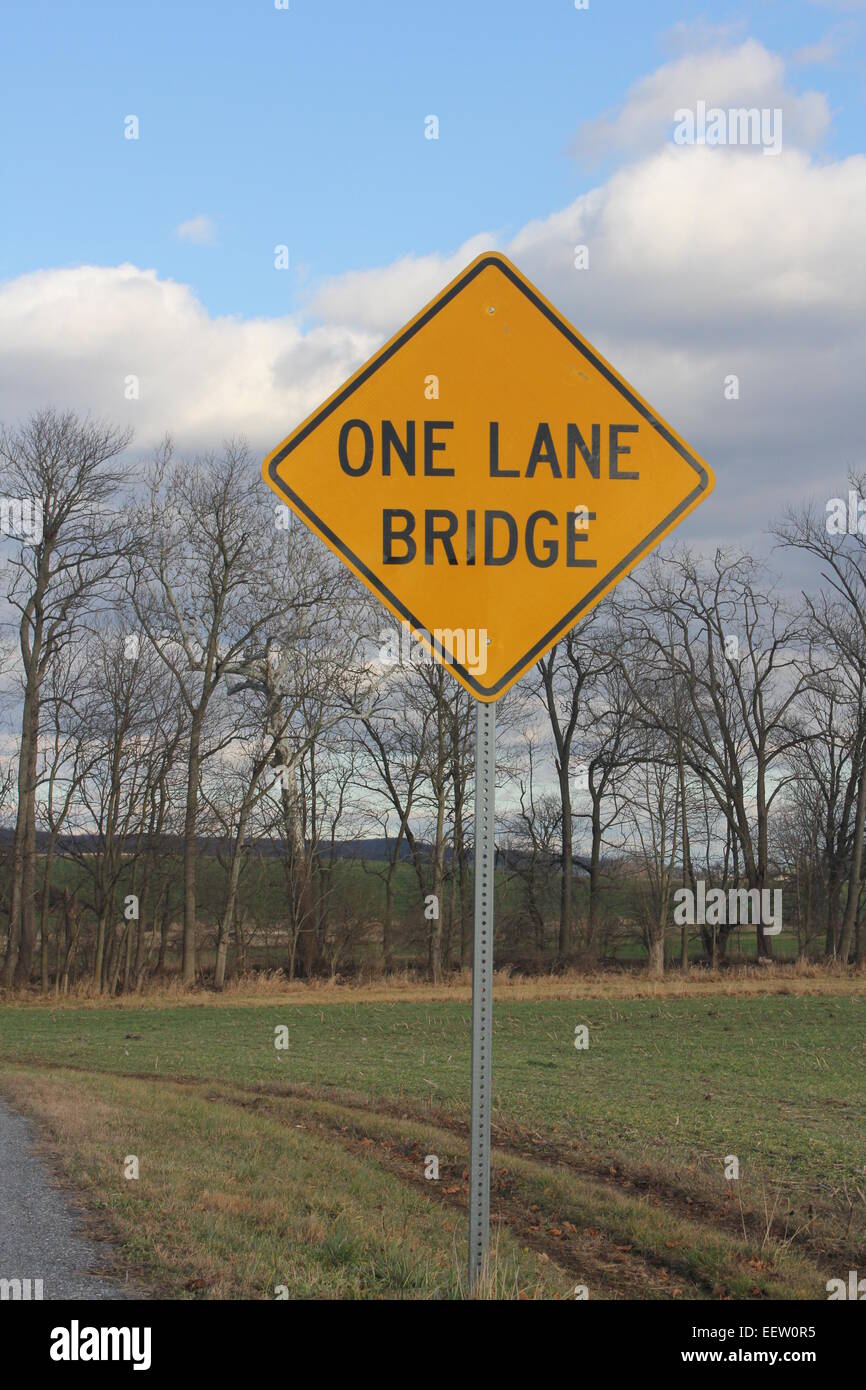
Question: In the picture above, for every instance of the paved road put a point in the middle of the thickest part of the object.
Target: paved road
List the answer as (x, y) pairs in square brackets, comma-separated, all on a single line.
[(41, 1234)]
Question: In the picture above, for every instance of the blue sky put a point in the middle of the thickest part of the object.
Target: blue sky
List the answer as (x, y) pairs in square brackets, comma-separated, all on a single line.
[(306, 127)]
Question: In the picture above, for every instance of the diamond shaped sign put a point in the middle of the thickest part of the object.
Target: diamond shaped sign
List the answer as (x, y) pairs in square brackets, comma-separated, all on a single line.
[(488, 475)]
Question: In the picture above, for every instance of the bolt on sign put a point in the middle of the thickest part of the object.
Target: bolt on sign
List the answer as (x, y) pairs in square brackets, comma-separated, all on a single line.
[(488, 475)]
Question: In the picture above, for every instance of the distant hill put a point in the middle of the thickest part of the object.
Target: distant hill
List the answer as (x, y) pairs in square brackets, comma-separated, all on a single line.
[(173, 844)]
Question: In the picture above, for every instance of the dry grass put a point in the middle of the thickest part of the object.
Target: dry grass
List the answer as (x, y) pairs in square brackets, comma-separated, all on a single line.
[(785, 978)]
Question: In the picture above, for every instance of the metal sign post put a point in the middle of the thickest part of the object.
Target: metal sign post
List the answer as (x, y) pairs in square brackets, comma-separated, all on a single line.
[(482, 992)]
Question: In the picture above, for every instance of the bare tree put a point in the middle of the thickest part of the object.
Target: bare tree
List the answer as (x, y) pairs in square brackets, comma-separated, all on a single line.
[(65, 471), (202, 582), (63, 767), (839, 614), (118, 724), (741, 658), (651, 808), (533, 843), (393, 736), (568, 674)]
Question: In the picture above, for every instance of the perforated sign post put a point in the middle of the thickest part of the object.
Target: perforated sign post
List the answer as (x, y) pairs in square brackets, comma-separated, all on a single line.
[(489, 477)]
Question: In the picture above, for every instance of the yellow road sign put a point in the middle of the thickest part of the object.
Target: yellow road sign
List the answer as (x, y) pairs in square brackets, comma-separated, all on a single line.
[(488, 475)]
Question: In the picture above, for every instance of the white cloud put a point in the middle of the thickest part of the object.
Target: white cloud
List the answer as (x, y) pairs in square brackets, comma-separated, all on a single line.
[(382, 299), (747, 75), (72, 337), (199, 230)]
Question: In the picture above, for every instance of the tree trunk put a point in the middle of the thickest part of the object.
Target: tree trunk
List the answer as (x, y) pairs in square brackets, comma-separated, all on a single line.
[(847, 933), (834, 912), (188, 964), (231, 899), (688, 876), (14, 943), (387, 947), (43, 915), (164, 925), (27, 863), (302, 928), (594, 872), (99, 958), (434, 954), (141, 926), (656, 966), (464, 899), (567, 883)]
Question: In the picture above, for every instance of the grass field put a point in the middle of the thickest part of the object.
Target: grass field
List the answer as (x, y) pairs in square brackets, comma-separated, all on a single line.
[(303, 1170)]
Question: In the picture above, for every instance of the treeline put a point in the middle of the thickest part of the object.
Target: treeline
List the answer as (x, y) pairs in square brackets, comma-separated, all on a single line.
[(182, 665)]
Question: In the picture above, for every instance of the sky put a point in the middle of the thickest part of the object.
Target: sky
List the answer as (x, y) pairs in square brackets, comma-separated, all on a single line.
[(306, 128)]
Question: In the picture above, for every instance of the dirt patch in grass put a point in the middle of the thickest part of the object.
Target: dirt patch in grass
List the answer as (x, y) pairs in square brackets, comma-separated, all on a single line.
[(684, 1255), (685, 1194)]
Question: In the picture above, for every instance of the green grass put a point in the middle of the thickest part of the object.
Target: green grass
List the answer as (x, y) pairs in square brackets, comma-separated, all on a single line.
[(779, 1081), (666, 1090)]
